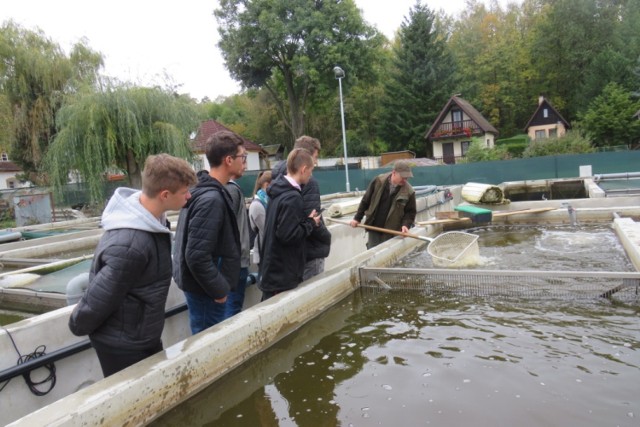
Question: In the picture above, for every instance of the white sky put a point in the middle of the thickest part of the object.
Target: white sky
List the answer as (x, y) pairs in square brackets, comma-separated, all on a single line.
[(143, 41)]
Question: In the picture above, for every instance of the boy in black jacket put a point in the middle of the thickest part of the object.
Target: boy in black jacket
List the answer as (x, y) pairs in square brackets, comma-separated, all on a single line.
[(282, 256), (317, 245)]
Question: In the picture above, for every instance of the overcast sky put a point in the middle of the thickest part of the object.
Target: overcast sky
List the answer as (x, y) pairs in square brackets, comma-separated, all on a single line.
[(143, 41)]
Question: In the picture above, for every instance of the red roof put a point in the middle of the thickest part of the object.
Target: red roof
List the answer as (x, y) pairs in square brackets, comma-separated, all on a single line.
[(9, 167), (208, 128), (469, 110)]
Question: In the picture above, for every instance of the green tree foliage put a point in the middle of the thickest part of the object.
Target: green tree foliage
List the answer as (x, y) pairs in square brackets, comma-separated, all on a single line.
[(491, 48), (116, 129), (573, 142), (35, 78), (6, 124), (569, 40), (290, 47), (420, 81), (610, 118)]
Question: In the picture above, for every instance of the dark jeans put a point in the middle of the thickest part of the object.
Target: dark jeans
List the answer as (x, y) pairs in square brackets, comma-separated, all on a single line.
[(235, 300), (204, 312), (114, 360)]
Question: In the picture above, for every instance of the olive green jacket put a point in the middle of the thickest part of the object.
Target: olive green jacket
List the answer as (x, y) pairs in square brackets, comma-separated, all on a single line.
[(402, 210)]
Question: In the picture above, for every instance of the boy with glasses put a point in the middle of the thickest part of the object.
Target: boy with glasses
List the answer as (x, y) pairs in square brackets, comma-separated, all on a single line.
[(206, 259)]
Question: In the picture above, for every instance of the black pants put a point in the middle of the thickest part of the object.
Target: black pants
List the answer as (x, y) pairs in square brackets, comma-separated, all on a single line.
[(114, 360), (375, 238)]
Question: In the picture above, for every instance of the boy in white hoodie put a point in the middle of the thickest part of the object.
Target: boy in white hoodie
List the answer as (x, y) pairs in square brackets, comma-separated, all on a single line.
[(122, 310)]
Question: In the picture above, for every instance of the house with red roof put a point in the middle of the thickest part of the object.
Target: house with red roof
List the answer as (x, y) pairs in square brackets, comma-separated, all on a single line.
[(256, 156), (451, 132)]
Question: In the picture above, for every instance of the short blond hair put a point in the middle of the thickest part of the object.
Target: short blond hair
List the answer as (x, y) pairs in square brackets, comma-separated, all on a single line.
[(165, 172), (297, 158)]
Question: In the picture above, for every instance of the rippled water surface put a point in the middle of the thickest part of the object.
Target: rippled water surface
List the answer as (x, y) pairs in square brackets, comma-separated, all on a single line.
[(406, 359), (585, 247), (400, 359)]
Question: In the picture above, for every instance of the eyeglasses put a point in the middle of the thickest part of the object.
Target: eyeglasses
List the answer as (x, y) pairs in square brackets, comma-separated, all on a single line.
[(243, 157)]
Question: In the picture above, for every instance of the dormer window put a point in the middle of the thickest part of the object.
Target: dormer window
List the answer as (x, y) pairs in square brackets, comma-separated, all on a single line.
[(545, 113)]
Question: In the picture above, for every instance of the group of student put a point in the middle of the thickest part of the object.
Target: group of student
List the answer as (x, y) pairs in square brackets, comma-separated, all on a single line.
[(122, 309)]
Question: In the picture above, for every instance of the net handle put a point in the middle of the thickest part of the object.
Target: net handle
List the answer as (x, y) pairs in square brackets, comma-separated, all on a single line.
[(384, 230)]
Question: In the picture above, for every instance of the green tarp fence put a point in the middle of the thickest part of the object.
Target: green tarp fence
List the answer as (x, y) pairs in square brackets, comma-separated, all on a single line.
[(496, 172)]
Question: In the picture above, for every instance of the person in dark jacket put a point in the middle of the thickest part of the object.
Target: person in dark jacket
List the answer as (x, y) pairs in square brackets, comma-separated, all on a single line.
[(122, 310), (389, 202), (282, 256), (318, 244), (206, 258)]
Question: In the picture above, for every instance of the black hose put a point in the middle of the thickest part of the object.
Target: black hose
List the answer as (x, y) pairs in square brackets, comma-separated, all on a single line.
[(39, 359)]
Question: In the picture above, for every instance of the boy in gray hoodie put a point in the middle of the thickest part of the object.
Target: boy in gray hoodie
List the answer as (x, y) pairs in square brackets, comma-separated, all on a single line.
[(122, 309)]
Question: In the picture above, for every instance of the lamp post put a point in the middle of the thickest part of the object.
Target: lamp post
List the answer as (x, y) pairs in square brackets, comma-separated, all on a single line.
[(339, 73)]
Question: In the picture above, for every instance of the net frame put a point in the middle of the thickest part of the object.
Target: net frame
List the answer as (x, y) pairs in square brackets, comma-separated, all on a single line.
[(624, 286), (453, 247)]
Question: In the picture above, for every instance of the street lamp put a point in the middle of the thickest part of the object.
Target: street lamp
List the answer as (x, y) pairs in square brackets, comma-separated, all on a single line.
[(339, 73)]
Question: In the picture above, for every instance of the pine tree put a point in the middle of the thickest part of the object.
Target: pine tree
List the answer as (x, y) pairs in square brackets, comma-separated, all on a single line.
[(421, 81)]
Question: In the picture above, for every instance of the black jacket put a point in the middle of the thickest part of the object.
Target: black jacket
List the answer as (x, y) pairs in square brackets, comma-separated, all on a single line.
[(123, 306), (318, 244), (206, 255), (286, 227)]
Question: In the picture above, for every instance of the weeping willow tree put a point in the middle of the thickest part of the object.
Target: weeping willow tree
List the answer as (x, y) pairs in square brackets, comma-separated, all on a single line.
[(36, 76), (115, 130)]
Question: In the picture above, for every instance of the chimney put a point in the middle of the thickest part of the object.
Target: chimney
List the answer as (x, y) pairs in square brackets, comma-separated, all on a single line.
[(540, 99)]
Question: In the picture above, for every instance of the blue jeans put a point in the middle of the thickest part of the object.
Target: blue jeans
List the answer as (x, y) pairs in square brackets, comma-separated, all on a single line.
[(235, 300), (204, 312)]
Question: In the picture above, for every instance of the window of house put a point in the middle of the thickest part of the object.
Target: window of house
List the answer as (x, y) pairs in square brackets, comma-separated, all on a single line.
[(465, 147), (541, 134), (488, 143), (553, 133), (11, 184), (4, 157), (545, 113), (456, 115)]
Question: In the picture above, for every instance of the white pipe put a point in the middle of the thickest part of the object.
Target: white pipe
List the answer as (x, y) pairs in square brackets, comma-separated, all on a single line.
[(625, 175)]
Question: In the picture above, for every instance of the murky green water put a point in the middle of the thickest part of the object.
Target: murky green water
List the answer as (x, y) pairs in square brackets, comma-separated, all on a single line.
[(406, 359), (391, 359), (566, 248), (7, 317)]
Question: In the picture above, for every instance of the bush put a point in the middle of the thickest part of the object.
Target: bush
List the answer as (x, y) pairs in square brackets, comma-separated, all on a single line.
[(573, 142), (479, 153), (515, 145)]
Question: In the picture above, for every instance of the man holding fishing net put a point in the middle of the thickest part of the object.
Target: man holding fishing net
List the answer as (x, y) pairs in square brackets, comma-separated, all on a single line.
[(389, 202)]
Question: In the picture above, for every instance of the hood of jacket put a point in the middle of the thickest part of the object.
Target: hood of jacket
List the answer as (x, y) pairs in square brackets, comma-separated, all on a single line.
[(279, 187), (124, 210)]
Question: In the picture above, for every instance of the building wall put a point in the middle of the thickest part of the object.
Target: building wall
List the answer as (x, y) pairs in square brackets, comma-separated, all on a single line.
[(548, 130), (8, 180), (253, 161), (488, 139)]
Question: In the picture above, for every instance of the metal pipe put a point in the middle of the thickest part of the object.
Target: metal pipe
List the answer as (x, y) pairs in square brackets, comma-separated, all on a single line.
[(339, 72), (625, 175)]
